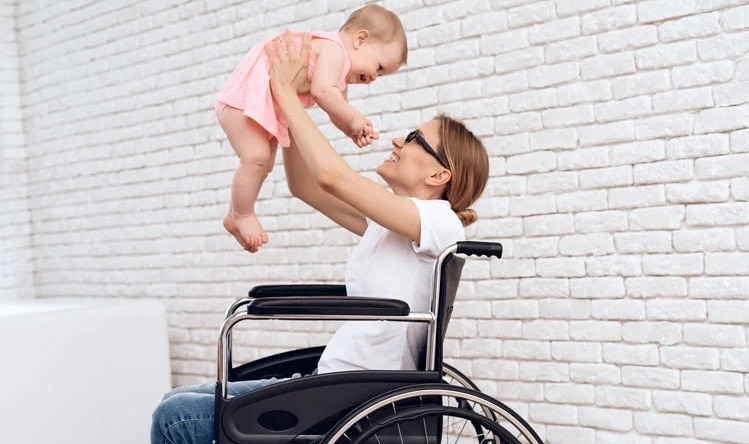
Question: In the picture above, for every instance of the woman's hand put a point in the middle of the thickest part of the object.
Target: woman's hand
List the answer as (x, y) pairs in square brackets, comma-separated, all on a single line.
[(288, 65)]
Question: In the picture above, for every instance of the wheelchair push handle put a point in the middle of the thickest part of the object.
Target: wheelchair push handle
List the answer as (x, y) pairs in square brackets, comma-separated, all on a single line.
[(479, 248)]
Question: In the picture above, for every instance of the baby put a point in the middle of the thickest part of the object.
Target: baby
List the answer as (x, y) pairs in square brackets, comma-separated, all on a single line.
[(371, 43)]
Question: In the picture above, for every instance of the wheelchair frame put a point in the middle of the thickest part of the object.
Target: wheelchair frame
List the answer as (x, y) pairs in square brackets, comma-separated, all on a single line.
[(330, 302)]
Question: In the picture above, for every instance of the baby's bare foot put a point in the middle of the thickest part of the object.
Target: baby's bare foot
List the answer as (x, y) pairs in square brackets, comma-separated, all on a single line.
[(250, 232), (231, 227)]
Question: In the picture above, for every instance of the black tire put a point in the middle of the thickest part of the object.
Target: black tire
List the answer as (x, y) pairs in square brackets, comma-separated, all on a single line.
[(394, 418)]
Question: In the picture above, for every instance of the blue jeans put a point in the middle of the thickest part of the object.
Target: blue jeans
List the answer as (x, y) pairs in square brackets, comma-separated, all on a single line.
[(185, 415)]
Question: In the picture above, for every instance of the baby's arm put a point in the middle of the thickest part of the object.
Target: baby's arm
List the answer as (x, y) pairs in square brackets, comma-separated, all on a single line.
[(333, 101)]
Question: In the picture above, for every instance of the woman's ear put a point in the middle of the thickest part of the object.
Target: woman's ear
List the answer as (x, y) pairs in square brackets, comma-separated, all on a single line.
[(360, 37), (439, 177)]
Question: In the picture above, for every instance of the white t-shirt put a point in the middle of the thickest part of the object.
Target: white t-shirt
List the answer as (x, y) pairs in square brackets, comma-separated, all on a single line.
[(386, 264)]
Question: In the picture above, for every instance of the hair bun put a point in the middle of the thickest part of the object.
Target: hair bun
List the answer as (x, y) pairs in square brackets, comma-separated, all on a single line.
[(467, 216)]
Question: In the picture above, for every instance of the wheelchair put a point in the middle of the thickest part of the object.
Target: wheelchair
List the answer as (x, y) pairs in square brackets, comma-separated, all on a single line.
[(434, 404)]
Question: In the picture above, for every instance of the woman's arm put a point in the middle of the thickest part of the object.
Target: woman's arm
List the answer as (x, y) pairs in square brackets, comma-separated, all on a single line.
[(303, 186), (327, 170)]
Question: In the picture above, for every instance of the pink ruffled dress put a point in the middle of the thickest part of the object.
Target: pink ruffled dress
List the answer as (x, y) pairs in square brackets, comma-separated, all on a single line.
[(248, 87)]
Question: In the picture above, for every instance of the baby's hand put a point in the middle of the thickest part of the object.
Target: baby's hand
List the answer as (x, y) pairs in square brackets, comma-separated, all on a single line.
[(366, 137), (362, 131)]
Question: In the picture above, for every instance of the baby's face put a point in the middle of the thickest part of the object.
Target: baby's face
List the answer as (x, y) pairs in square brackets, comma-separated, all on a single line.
[(373, 59)]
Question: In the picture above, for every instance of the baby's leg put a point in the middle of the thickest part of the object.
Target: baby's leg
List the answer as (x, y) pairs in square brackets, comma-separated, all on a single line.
[(255, 151)]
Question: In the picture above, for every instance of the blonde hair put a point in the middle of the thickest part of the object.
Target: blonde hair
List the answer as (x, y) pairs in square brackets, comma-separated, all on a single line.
[(468, 160), (382, 24)]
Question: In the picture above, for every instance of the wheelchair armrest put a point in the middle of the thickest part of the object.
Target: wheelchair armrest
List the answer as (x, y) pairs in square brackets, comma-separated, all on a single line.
[(297, 290), (328, 305)]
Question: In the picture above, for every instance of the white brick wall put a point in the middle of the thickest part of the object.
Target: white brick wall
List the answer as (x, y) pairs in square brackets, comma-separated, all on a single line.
[(619, 139), (15, 231)]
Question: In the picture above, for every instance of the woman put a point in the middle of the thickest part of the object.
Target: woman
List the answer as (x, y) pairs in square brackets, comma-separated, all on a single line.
[(435, 174)]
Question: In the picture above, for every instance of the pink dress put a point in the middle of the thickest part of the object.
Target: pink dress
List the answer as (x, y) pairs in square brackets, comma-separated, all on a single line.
[(248, 87)]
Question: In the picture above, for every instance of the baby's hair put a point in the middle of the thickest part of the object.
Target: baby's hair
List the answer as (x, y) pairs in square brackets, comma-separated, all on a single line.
[(383, 25)]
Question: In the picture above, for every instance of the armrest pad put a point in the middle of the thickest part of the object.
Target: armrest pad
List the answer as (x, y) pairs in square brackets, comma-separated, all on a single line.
[(264, 291), (328, 305)]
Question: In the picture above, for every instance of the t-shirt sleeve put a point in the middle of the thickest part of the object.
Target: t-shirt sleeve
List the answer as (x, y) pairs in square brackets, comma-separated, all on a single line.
[(440, 227)]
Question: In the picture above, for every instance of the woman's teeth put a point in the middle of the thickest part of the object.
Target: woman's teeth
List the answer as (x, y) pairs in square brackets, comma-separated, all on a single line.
[(393, 157)]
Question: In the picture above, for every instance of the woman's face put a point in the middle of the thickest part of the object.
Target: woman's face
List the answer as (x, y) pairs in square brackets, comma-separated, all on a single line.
[(409, 164)]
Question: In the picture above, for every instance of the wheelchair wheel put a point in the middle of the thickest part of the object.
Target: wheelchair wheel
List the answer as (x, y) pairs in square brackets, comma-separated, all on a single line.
[(452, 375), (432, 414)]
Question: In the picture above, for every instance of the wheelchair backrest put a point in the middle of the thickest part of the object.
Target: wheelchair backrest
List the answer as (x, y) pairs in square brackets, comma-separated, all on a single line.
[(452, 269)]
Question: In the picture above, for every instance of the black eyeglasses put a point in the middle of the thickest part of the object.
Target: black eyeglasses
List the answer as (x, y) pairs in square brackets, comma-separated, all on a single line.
[(415, 135)]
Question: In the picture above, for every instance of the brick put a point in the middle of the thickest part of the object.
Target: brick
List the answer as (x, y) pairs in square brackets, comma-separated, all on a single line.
[(734, 165), (609, 19), (575, 351), (628, 38), (544, 371), (673, 264), (554, 414), (727, 264), (621, 397), (534, 247), (607, 65), (623, 109), (580, 245), (710, 428), (516, 60), (566, 393), (594, 373), (530, 14), (686, 357), (595, 330), (560, 267), (715, 335), (640, 196), (698, 192), (732, 94), (560, 308), (659, 10), (550, 75), (582, 158), (663, 424), (577, 93), (643, 242), (735, 359), (653, 287), (666, 55), (697, 404), (718, 214), (553, 139), (543, 288), (700, 74), (554, 30), (532, 100), (735, 19), (547, 225), (601, 221), (717, 239), (647, 82), (676, 310), (560, 117), (728, 311), (600, 287), (657, 218), (570, 49), (721, 119), (683, 100), (652, 332), (653, 377), (712, 381), (698, 146), (718, 287), (614, 266), (582, 201), (664, 126), (722, 47)]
